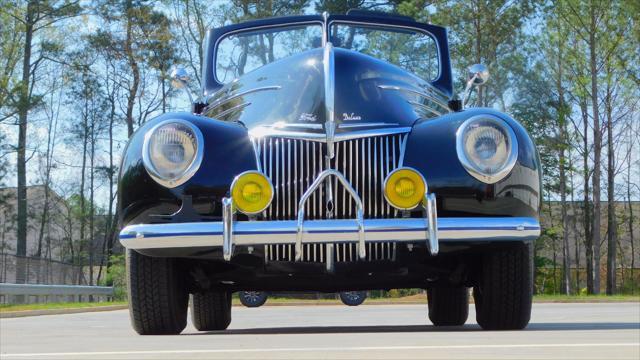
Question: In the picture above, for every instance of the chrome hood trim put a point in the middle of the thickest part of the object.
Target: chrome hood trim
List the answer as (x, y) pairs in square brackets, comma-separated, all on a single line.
[(329, 97), (290, 132)]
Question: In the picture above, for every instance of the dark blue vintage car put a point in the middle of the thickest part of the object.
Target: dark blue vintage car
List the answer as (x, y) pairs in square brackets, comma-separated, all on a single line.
[(329, 153)]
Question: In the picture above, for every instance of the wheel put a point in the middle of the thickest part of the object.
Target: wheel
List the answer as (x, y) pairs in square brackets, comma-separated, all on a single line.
[(504, 292), (158, 298), (253, 298), (353, 298), (448, 306), (211, 310)]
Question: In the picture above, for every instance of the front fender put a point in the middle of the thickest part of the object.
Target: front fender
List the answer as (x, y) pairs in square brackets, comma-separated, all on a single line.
[(227, 152), (431, 149)]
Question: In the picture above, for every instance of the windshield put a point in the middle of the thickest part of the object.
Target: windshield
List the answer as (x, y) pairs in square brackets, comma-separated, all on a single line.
[(239, 53), (409, 49)]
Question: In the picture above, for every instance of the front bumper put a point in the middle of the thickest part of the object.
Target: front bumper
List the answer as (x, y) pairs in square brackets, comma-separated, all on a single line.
[(229, 232), (211, 234)]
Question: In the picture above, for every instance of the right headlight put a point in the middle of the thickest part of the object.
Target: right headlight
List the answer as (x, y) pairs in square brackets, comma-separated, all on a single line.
[(487, 148), (172, 152)]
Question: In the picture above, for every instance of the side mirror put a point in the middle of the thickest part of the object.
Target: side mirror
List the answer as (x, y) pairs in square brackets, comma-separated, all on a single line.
[(478, 75), (179, 77), (180, 80)]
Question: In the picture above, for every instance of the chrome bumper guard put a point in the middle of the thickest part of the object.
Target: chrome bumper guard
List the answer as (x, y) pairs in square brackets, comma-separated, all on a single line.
[(229, 232)]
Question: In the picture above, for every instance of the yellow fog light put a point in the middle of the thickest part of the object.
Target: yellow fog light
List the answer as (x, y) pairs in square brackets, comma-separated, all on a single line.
[(404, 188), (251, 192)]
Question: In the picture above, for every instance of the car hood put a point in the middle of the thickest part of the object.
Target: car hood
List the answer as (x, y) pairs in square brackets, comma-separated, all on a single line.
[(304, 92)]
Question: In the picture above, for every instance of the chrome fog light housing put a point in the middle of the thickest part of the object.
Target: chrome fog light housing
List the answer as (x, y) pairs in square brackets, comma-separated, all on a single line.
[(487, 148), (172, 152), (405, 188), (252, 192)]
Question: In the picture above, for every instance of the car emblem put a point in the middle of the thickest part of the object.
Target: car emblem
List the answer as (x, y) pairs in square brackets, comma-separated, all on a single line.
[(350, 117), (306, 117)]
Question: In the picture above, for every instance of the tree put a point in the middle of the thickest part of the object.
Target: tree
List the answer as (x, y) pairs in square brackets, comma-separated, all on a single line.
[(489, 32), (191, 20), (33, 16), (130, 31), (557, 38), (11, 38)]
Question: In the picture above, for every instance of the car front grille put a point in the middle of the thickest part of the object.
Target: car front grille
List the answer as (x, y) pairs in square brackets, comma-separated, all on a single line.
[(293, 164), (342, 253)]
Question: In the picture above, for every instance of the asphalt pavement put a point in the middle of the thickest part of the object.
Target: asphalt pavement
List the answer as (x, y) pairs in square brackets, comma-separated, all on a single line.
[(556, 331)]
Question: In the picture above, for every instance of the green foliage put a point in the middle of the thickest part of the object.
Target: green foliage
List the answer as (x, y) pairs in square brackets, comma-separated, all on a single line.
[(489, 32), (11, 36), (117, 277)]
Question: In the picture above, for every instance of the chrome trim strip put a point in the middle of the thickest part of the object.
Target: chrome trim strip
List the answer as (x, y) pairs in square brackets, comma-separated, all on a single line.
[(230, 110), (230, 97), (227, 228), (403, 146), (422, 107), (256, 153), (329, 97), (262, 132), (432, 223), (267, 131), (416, 92), (304, 126), (210, 234), (371, 124), (371, 133)]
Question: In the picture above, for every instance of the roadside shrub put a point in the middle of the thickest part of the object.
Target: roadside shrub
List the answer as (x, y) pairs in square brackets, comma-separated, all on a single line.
[(117, 277)]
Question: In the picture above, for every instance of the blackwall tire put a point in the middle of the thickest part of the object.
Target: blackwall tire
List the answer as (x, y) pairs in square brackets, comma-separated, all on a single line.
[(353, 298), (448, 306), (211, 310), (504, 292), (253, 299), (158, 298)]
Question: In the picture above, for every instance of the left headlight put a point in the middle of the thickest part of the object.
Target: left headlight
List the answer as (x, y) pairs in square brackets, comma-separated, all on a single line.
[(487, 148), (172, 152)]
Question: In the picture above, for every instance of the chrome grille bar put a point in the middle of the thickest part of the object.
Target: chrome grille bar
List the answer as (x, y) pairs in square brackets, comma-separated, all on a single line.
[(293, 164), (343, 252)]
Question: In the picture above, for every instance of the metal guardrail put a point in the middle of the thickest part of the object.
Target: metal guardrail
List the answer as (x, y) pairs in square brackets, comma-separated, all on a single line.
[(13, 292)]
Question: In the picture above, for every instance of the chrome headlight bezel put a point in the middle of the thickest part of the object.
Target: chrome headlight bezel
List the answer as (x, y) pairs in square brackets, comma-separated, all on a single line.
[(472, 168), (190, 170)]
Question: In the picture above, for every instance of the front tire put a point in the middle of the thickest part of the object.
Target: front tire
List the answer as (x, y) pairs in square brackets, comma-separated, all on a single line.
[(448, 306), (158, 299), (211, 310), (504, 291)]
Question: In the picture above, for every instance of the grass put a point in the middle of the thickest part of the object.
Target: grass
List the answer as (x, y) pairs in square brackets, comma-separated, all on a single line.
[(586, 298), (52, 306), (413, 299)]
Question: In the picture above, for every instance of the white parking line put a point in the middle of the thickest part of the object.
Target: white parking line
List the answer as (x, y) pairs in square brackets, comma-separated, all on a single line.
[(288, 350)]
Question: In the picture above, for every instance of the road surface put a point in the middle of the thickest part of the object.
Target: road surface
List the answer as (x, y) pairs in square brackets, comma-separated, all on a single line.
[(556, 331)]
